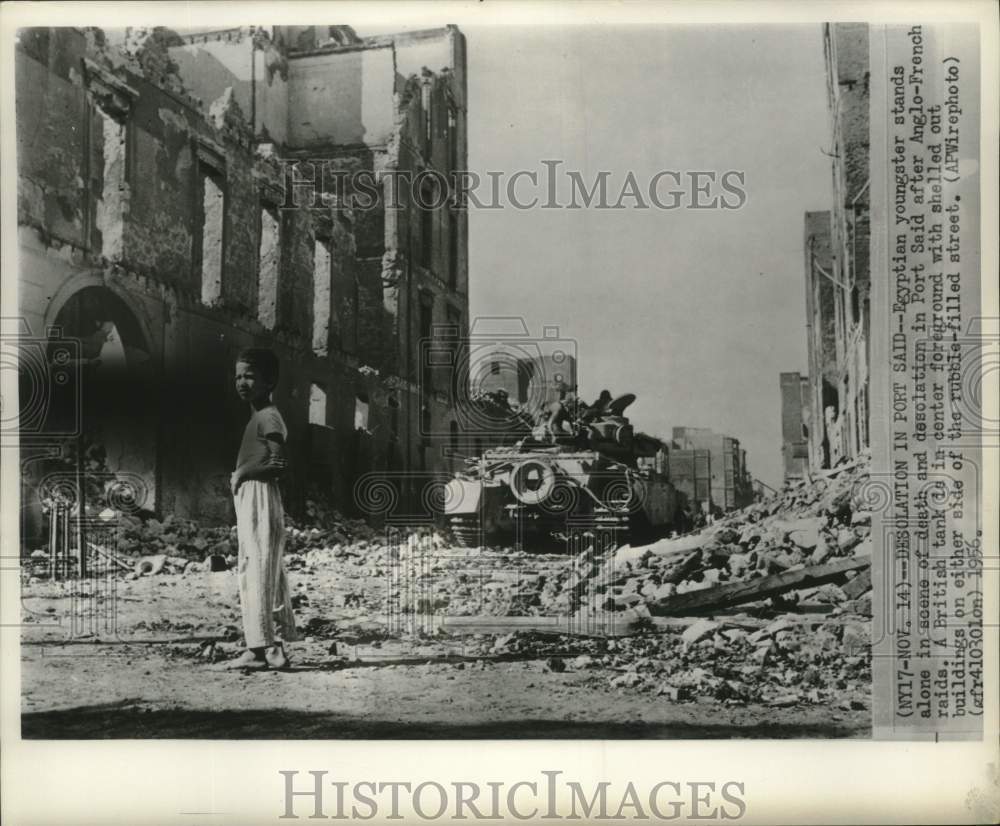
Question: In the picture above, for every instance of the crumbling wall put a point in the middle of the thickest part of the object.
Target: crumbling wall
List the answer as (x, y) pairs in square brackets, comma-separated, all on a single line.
[(179, 154), (239, 283), (846, 47), (296, 277), (268, 267), (213, 217), (244, 61), (344, 277), (52, 159), (853, 83), (822, 328), (341, 97), (164, 204)]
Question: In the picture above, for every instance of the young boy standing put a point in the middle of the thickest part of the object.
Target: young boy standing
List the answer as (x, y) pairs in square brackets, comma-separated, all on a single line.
[(265, 601)]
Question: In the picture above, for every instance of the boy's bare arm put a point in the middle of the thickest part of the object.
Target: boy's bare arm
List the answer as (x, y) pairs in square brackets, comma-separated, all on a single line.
[(271, 467)]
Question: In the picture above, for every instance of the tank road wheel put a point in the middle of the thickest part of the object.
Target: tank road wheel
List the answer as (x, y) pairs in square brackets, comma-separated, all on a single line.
[(467, 530)]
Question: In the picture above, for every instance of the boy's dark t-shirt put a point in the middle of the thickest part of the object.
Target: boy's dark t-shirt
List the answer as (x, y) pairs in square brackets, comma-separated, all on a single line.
[(262, 423)]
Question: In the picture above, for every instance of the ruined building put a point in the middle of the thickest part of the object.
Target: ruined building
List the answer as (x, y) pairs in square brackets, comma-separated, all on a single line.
[(821, 397), (710, 469), (795, 390), (844, 415), (162, 227), (835, 408), (533, 382)]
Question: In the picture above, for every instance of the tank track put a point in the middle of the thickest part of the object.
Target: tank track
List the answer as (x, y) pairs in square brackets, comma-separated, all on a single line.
[(613, 530), (466, 530)]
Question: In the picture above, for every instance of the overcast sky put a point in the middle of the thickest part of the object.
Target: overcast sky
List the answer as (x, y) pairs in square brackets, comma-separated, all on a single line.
[(695, 312)]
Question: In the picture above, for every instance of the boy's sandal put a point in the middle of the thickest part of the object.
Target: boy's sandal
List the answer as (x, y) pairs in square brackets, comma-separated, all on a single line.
[(247, 661), (275, 657)]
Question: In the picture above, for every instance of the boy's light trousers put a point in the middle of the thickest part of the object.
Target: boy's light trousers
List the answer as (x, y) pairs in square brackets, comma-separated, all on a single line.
[(265, 600)]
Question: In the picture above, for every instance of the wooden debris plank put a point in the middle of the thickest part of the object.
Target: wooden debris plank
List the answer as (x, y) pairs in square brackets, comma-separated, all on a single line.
[(680, 569), (106, 553), (854, 588), (814, 607), (605, 625), (738, 593)]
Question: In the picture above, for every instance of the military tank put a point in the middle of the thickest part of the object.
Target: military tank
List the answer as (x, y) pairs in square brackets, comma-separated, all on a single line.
[(585, 472)]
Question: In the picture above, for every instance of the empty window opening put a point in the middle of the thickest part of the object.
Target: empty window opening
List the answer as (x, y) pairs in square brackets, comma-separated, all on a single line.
[(317, 405), (109, 216), (361, 412), (267, 285), (213, 213), (322, 263)]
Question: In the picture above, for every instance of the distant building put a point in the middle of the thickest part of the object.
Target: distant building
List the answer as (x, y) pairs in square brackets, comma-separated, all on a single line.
[(531, 383), (508, 379), (710, 468), (795, 390)]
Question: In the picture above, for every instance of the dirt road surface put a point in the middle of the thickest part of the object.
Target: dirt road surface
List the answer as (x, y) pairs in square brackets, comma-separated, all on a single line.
[(142, 672)]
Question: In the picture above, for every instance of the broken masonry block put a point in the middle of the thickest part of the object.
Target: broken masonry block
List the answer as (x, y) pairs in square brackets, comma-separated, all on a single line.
[(150, 565)]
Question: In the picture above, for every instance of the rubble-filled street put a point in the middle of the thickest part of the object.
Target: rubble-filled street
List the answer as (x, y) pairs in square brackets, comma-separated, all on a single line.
[(757, 625)]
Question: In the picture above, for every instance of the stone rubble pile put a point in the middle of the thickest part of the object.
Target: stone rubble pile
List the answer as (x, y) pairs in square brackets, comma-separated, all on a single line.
[(324, 528), (370, 580), (783, 663), (809, 525), (805, 645)]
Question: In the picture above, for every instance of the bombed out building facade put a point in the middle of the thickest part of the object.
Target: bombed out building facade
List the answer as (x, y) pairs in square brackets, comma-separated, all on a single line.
[(167, 218), (710, 469), (825, 415)]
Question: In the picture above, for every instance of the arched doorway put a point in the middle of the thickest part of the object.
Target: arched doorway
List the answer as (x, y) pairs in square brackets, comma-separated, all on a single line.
[(89, 393), (115, 393)]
